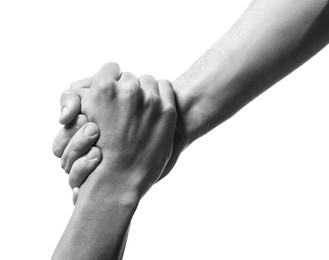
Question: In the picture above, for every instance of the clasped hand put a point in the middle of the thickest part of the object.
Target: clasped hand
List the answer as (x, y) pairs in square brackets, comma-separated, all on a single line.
[(132, 120)]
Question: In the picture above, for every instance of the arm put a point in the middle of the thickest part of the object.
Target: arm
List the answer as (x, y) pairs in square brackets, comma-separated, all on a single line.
[(97, 227), (270, 40)]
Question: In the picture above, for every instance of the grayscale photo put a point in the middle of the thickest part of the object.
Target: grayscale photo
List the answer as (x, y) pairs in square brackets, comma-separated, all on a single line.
[(165, 130)]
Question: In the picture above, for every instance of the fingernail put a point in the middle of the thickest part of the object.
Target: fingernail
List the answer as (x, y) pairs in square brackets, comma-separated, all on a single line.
[(92, 155), (90, 130)]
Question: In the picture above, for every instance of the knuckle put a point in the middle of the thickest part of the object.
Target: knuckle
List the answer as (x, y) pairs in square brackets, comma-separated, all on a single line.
[(154, 104), (64, 164), (165, 82), (84, 104), (105, 85), (65, 94), (69, 156), (75, 147), (131, 89), (156, 101), (147, 77), (78, 166), (75, 85), (112, 64), (82, 83), (170, 110), (127, 74), (153, 101)]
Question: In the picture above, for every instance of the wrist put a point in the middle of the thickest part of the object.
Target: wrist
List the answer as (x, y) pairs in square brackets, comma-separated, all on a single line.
[(96, 229), (102, 197), (104, 186), (100, 219), (186, 101), (208, 93), (194, 105)]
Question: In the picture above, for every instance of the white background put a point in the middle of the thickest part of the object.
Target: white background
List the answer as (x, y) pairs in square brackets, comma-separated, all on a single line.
[(257, 187)]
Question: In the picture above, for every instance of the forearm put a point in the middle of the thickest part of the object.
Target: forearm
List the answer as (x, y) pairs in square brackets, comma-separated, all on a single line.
[(100, 222), (271, 39)]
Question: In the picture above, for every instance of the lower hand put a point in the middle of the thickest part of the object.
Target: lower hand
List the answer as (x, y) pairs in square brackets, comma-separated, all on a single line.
[(71, 143), (137, 119)]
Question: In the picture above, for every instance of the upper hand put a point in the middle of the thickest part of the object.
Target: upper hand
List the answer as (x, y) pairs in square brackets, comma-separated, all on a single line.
[(137, 120), (75, 143)]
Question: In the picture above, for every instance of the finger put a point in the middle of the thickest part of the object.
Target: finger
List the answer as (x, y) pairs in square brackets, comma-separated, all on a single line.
[(70, 106), (109, 71), (71, 99), (80, 143), (166, 92), (81, 84), (84, 166), (75, 193), (66, 133), (150, 86), (128, 77)]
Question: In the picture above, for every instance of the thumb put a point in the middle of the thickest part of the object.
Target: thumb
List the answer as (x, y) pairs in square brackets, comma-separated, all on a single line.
[(71, 100), (70, 106)]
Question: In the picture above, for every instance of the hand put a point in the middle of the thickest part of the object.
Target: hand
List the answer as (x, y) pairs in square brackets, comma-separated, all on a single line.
[(80, 143), (137, 119), (73, 141)]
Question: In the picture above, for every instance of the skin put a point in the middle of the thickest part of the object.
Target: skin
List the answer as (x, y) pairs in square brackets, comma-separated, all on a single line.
[(258, 51), (145, 115)]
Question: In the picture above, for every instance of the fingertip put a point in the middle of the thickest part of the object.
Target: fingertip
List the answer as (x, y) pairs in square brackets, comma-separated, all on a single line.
[(91, 130), (94, 154), (68, 113), (83, 167), (75, 192), (79, 121), (65, 117), (70, 107)]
